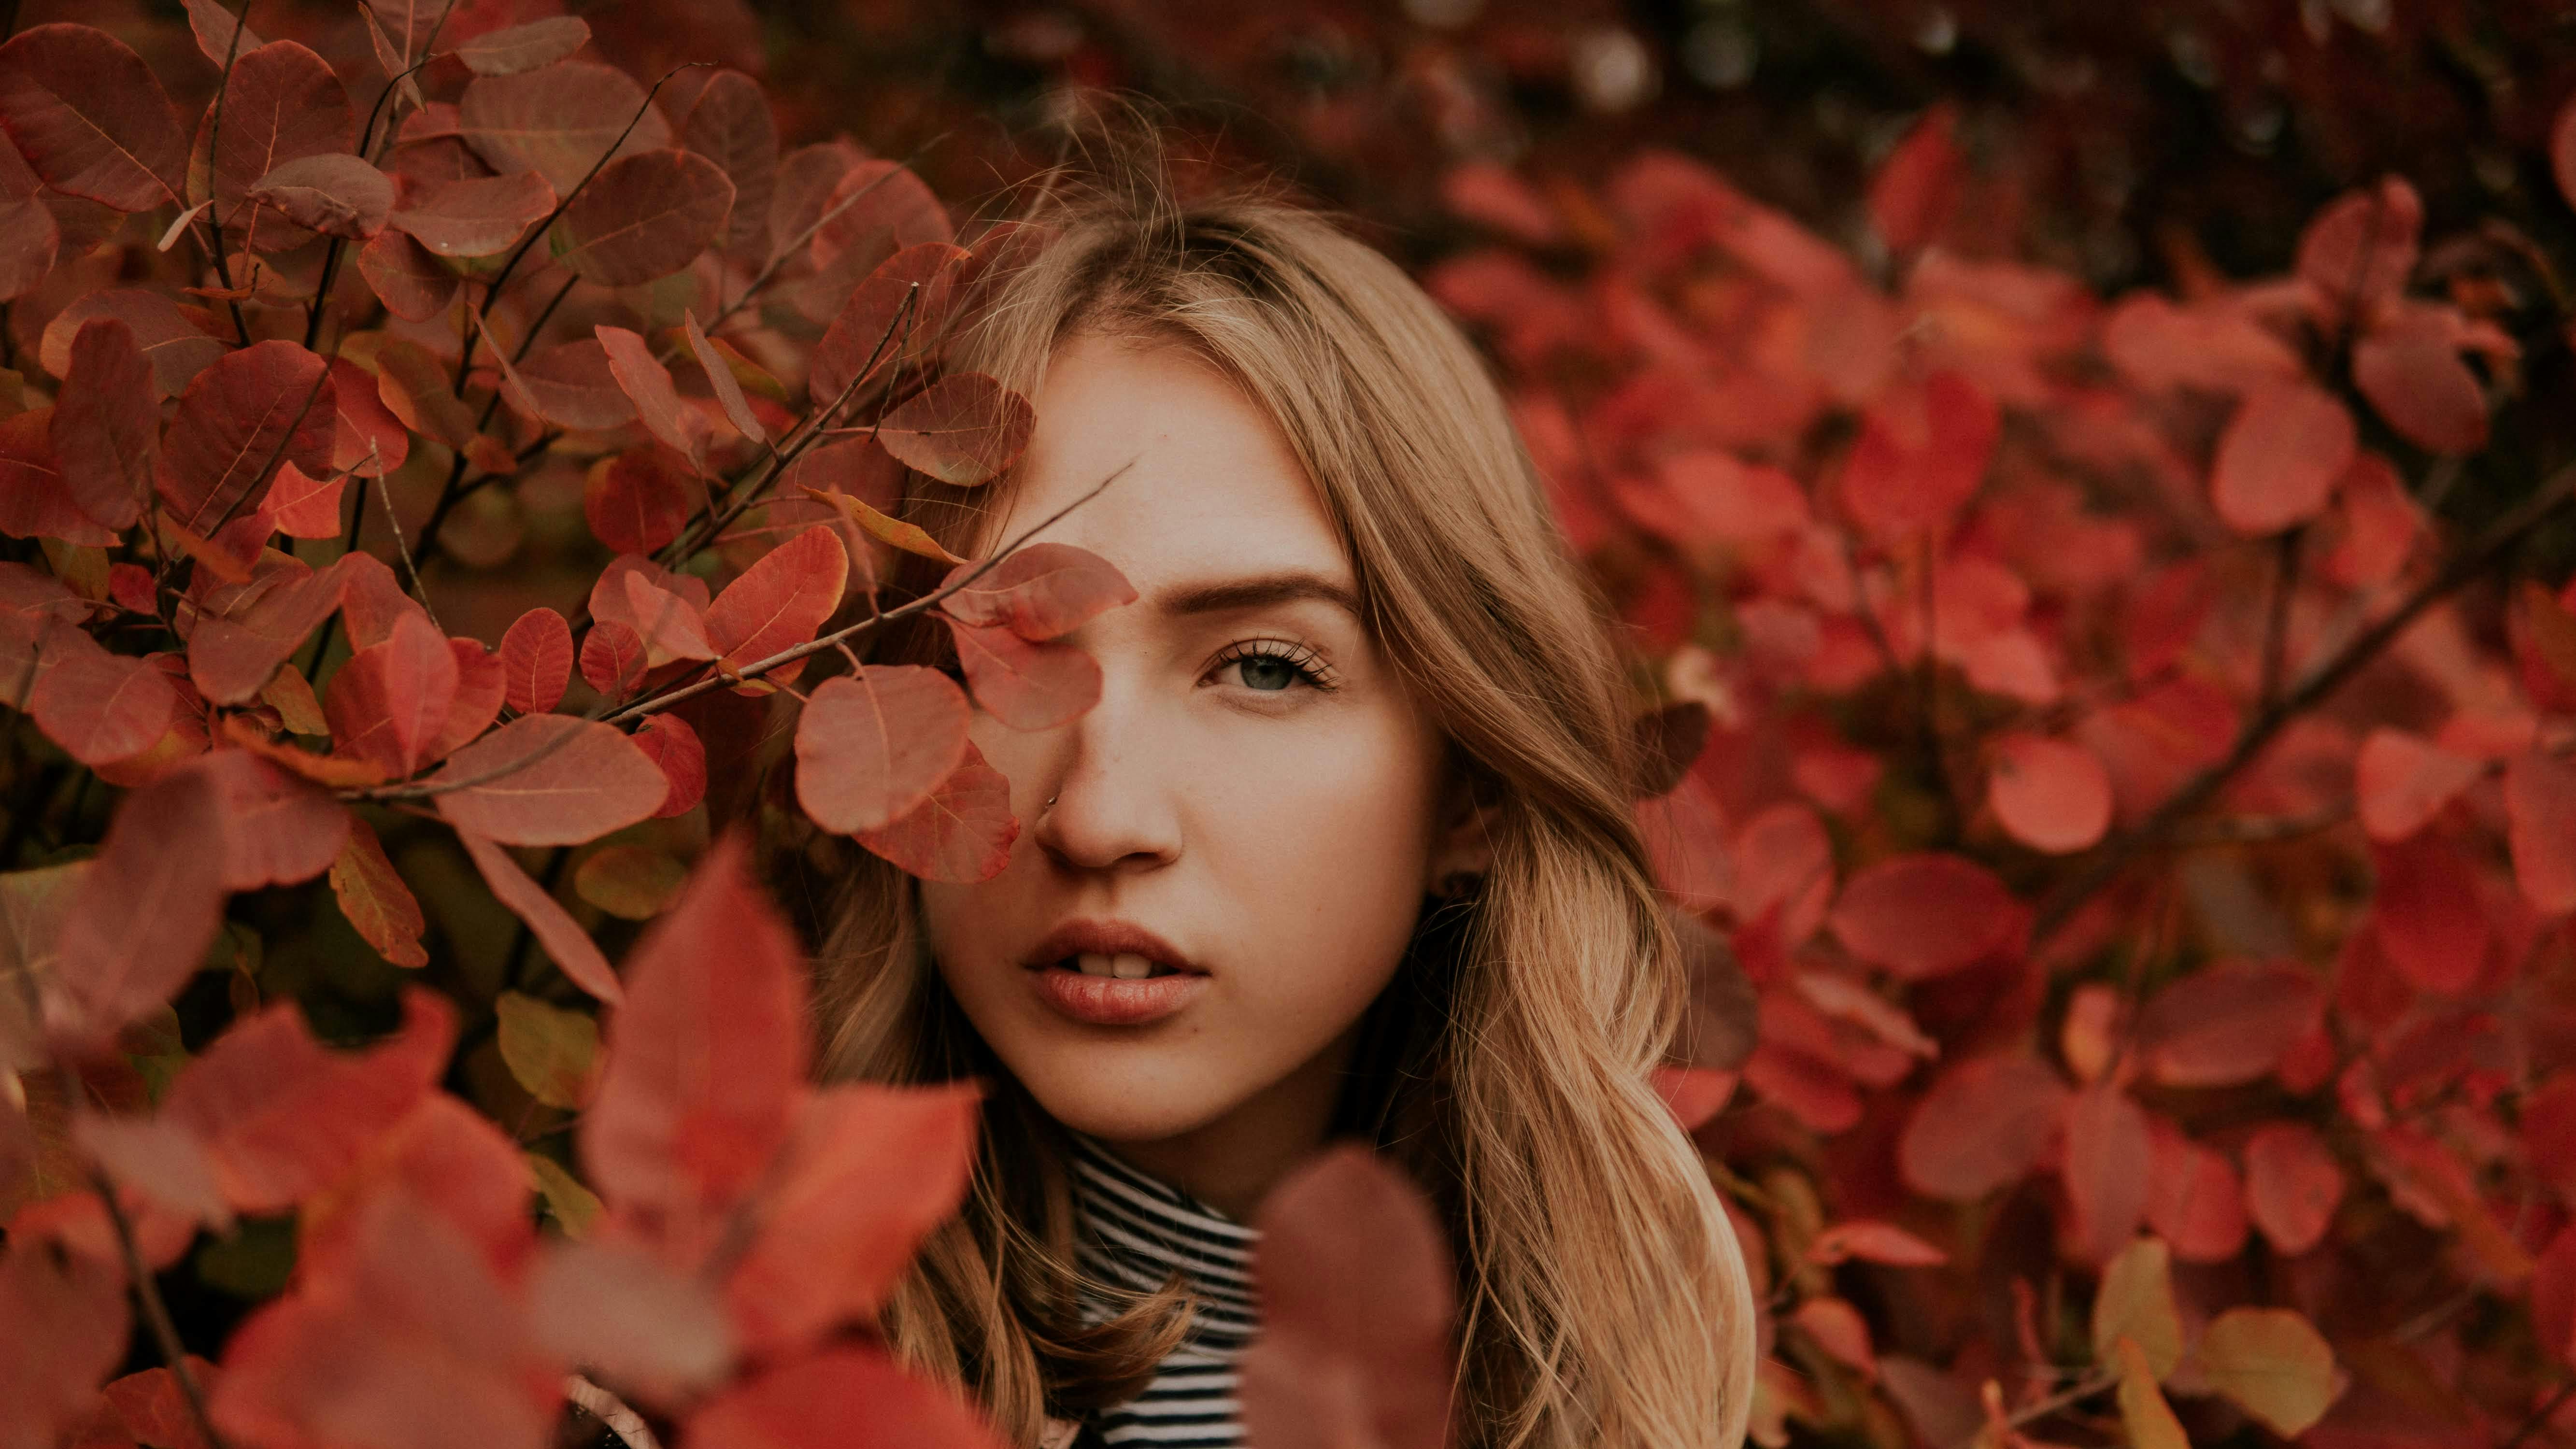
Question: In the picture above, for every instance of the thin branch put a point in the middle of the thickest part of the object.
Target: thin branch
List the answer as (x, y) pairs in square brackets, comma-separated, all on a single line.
[(2115, 854), (778, 258), (165, 1333), (215, 172), (402, 549), (2540, 1417)]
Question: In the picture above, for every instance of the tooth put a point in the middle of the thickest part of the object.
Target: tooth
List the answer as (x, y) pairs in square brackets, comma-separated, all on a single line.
[(1130, 968), (1090, 964)]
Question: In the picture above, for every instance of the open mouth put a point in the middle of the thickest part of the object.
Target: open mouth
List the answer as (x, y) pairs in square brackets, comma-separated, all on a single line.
[(1124, 966)]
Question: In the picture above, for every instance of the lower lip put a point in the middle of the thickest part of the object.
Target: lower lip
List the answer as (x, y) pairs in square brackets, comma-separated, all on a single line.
[(1115, 1001)]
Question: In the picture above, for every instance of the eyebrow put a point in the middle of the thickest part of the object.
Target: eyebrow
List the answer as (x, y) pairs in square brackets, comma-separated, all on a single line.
[(1256, 591)]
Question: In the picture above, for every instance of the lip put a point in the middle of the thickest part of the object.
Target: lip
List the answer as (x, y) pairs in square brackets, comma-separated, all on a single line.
[(1109, 1000)]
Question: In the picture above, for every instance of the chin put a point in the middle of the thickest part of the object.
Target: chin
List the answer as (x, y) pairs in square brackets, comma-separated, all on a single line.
[(1124, 1106)]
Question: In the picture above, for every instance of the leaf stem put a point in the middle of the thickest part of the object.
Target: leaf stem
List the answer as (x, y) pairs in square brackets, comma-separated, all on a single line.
[(165, 1332)]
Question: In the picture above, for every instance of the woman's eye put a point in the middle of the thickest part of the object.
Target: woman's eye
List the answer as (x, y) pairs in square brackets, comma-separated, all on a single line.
[(1268, 672)]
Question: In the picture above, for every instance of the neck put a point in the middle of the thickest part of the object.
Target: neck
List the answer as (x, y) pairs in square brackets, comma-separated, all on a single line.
[(1231, 1163)]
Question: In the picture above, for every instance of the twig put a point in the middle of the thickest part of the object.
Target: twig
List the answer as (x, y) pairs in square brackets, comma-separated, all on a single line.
[(165, 1333), (2540, 1416), (2114, 855), (2276, 623), (402, 549), (215, 172)]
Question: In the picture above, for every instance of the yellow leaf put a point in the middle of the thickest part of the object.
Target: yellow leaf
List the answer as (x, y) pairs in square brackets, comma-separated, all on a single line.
[(2137, 1302), (902, 535), (632, 882), (291, 695), (2150, 1420), (550, 1051), (2273, 1363), (574, 1206)]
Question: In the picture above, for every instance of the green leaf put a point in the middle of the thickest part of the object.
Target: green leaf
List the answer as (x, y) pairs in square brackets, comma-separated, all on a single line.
[(2273, 1363), (550, 1051), (2149, 1419), (634, 882), (2137, 1302), (576, 1207)]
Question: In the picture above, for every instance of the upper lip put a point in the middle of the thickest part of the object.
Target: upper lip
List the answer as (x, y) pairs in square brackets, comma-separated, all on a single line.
[(1084, 937)]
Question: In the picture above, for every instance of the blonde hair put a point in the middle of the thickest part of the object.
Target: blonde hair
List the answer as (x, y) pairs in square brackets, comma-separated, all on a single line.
[(1603, 1297)]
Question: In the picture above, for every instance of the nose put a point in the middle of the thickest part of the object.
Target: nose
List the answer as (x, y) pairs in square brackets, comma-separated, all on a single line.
[(1115, 808)]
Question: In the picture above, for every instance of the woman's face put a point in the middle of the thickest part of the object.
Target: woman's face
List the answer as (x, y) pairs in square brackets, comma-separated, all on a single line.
[(1249, 812)]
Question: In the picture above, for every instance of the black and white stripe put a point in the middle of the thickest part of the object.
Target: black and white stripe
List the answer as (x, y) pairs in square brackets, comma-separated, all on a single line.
[(1136, 1233)]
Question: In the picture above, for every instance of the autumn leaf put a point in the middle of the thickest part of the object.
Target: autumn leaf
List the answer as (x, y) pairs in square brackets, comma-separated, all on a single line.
[(1926, 914), (405, 275), (89, 117), (2280, 457), (106, 431), (140, 919), (779, 602), (834, 1397), (2273, 1363), (643, 217), (731, 125), (282, 105), (558, 120), (548, 779), (1983, 1125), (565, 942), (675, 749), (961, 834), (63, 1326), (536, 661), (524, 47), (333, 194), (389, 701), (374, 899), (871, 747), (2292, 1186), (637, 501), (269, 403), (1356, 1304), (720, 378), (963, 429), (1038, 591), (473, 216), (870, 330), (2403, 780), (2052, 795), (1025, 685)]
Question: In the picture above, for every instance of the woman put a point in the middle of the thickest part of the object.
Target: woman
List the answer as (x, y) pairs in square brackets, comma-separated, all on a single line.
[(1343, 850)]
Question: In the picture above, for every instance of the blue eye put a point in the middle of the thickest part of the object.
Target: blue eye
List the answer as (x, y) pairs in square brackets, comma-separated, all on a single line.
[(1271, 666)]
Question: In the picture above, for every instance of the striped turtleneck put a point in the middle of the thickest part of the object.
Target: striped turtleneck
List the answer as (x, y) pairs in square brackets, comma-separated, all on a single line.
[(1136, 1232)]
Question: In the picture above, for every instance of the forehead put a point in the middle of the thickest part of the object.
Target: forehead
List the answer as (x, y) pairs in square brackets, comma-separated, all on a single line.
[(1211, 488)]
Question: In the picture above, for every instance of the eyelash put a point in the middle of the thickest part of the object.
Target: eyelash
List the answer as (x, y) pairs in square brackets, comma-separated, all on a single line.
[(1309, 665)]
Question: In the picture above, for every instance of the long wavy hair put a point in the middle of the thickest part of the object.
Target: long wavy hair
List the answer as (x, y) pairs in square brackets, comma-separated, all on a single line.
[(1604, 1299)]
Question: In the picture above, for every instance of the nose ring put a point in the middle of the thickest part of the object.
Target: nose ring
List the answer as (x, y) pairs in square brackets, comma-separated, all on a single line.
[(1050, 804)]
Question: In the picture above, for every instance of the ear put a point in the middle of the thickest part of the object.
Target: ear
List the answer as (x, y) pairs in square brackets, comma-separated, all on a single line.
[(1461, 851)]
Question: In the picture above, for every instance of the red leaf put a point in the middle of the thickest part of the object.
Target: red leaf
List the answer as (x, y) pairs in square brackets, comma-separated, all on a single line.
[(63, 1327), (99, 707), (536, 661), (779, 602), (1982, 1126), (1039, 591), (143, 914), (178, 340), (705, 1062), (2228, 1023), (455, 1162), (302, 507), (477, 702), (524, 47), (549, 779), (837, 1231), (2403, 780), (281, 830), (1873, 1243), (232, 654), (1356, 1305), (387, 703), (612, 658), (572, 385), (877, 209), (871, 328), (720, 379), (2381, 524), (963, 429), (414, 385), (2409, 367), (412, 1334), (269, 403), (871, 747), (1921, 454), (2052, 795), (107, 424), (333, 194), (638, 501), (2194, 1201), (2279, 458), (1926, 914), (644, 217), (1028, 686), (562, 938), (2428, 914), (377, 904), (676, 750), (214, 25), (2211, 346), (1917, 187), (730, 124), (35, 502), (1840, 1331), (29, 236), (2360, 250), (282, 1117), (671, 627), (558, 121), (89, 117), (961, 834), (2540, 810), (282, 105), (610, 600), (2107, 1158), (846, 1395), (405, 276), (1694, 1095), (2292, 1186), (150, 1407), (474, 216)]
